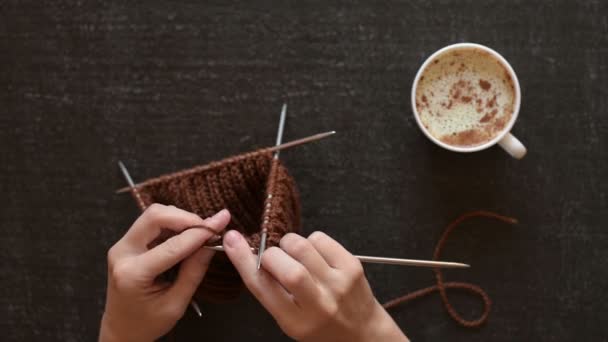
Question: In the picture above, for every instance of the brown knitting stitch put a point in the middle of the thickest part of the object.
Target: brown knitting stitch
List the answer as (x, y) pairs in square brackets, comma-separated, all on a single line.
[(442, 286), (256, 189)]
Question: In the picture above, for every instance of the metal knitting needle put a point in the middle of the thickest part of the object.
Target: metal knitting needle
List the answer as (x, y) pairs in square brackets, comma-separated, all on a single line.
[(127, 176), (280, 131), (388, 261), (286, 145), (276, 156), (301, 141)]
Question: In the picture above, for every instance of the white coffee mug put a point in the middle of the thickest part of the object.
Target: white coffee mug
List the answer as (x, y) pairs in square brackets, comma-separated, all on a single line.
[(505, 139)]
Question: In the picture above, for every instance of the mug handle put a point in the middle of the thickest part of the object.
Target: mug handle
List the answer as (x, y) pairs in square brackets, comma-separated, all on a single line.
[(513, 146)]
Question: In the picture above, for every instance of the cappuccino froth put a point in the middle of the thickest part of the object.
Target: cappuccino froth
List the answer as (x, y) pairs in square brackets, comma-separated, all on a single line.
[(465, 97)]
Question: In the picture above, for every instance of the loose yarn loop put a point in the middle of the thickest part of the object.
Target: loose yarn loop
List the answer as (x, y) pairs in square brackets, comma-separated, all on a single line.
[(442, 286), (242, 184)]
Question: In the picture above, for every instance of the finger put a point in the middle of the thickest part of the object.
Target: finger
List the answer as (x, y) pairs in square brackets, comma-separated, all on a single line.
[(175, 249), (217, 223), (266, 289), (305, 253), (191, 273), (148, 226), (334, 254), (291, 274)]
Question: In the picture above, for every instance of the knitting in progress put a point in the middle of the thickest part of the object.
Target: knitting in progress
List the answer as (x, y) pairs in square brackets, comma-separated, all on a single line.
[(261, 195), (242, 185)]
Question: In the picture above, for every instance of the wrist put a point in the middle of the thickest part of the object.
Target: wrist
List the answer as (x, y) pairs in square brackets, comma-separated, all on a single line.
[(106, 332), (111, 332), (381, 327)]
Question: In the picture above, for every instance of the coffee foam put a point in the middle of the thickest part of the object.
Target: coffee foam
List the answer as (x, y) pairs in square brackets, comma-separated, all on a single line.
[(465, 97)]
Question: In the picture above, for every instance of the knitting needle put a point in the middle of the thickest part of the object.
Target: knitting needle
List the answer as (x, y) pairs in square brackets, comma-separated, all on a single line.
[(276, 156), (286, 145), (388, 261), (301, 141), (127, 176), (280, 131)]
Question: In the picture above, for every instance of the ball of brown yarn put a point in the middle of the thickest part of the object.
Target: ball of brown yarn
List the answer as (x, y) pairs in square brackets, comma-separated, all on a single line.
[(241, 184)]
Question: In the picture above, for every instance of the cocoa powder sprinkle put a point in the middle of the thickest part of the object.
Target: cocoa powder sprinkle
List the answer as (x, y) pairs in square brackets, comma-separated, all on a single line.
[(485, 85)]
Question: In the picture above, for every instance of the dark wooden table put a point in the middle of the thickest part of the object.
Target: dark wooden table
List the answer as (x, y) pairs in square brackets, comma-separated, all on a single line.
[(166, 85)]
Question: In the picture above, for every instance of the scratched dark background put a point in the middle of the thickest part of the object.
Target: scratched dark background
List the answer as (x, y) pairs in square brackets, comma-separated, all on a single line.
[(165, 85)]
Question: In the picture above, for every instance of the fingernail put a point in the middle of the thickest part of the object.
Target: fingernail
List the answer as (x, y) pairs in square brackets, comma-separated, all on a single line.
[(232, 238)]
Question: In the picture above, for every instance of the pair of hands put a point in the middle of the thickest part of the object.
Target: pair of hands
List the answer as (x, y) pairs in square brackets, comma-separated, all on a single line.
[(314, 288)]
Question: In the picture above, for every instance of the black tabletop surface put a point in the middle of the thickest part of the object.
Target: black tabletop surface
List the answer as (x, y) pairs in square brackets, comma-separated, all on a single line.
[(167, 85)]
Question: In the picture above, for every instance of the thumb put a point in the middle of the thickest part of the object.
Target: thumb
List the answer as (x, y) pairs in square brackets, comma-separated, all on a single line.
[(239, 253), (261, 284)]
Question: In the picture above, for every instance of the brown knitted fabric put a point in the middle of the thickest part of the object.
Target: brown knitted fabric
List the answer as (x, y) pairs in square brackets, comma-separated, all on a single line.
[(258, 191), (442, 286)]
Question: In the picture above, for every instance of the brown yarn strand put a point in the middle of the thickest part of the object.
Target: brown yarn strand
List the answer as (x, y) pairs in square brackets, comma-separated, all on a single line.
[(241, 184), (442, 286)]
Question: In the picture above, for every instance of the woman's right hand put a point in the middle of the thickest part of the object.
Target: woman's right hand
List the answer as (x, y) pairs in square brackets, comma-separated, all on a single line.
[(314, 288)]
